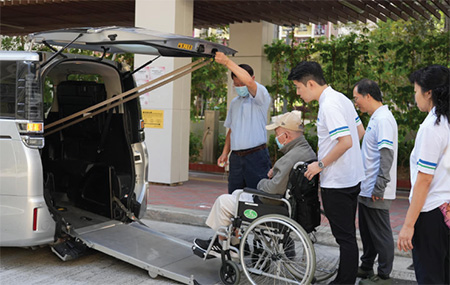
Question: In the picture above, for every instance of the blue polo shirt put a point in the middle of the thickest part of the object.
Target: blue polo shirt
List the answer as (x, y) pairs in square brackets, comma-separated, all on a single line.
[(247, 119)]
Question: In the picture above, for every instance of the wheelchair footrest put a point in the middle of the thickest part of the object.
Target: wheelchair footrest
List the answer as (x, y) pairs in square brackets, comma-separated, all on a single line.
[(201, 253)]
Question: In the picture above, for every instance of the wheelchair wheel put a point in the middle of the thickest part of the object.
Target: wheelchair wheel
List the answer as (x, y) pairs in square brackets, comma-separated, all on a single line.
[(326, 262), (229, 273), (275, 249)]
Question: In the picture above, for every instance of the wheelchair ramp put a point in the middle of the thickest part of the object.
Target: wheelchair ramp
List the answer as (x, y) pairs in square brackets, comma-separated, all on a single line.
[(153, 251)]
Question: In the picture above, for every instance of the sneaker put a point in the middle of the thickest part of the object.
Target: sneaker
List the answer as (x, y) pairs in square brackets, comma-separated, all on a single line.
[(376, 280), (364, 273), (203, 245)]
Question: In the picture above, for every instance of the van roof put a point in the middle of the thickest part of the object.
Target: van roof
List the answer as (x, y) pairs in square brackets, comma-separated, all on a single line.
[(19, 55)]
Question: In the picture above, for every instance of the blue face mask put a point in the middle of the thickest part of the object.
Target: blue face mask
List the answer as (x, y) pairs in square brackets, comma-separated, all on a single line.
[(280, 145), (242, 91)]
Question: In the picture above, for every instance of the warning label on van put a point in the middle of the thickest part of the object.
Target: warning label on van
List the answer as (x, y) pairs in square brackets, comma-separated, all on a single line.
[(153, 118)]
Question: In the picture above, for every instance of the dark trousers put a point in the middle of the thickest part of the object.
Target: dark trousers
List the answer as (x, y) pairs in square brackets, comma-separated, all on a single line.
[(340, 206), (248, 170), (377, 239), (431, 242)]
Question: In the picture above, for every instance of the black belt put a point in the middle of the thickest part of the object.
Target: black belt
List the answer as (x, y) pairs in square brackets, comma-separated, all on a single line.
[(248, 151)]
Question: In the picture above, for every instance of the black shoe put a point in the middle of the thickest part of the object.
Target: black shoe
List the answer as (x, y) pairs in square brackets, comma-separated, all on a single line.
[(362, 273), (203, 245)]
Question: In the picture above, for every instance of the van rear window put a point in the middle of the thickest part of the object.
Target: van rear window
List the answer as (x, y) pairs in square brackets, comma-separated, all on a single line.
[(8, 70), (21, 95)]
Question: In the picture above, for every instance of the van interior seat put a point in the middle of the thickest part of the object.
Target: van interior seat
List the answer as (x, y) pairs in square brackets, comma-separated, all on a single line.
[(74, 96), (69, 152)]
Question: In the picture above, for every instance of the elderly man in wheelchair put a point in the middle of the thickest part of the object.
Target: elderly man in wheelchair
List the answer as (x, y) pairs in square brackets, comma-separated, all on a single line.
[(258, 221)]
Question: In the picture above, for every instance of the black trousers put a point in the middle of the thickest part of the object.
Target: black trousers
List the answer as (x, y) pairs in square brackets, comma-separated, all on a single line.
[(431, 242), (340, 206), (247, 171), (376, 236)]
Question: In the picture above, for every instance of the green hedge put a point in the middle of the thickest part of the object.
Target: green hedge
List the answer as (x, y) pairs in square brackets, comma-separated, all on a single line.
[(387, 54)]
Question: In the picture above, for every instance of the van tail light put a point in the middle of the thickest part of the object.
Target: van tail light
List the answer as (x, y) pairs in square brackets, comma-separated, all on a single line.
[(35, 127), (141, 124), (31, 133), (35, 212), (26, 127)]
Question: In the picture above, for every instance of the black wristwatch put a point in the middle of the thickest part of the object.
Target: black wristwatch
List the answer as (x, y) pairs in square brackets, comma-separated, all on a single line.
[(321, 165)]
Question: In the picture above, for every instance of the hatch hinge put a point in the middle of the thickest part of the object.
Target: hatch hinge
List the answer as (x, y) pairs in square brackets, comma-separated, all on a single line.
[(60, 51)]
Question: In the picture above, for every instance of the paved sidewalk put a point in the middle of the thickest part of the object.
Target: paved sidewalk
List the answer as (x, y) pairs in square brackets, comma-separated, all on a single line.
[(189, 203)]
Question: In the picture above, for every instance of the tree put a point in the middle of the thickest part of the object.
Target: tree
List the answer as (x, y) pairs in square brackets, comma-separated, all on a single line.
[(209, 88), (387, 54)]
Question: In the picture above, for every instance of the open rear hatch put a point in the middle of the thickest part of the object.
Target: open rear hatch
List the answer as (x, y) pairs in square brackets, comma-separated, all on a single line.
[(130, 40)]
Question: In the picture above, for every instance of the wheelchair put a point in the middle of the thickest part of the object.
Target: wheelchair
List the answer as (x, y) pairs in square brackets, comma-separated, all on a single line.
[(274, 242)]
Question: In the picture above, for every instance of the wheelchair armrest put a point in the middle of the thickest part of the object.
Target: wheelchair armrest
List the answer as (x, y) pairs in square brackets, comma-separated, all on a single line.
[(263, 194)]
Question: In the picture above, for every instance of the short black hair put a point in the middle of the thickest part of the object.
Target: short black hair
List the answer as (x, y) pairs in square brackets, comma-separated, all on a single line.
[(437, 79), (246, 67), (307, 70), (366, 86)]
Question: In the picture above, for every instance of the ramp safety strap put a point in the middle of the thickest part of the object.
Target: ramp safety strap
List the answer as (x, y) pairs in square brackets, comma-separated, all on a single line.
[(124, 97)]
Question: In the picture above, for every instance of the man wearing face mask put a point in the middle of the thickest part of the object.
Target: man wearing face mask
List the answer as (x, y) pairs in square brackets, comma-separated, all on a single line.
[(289, 136), (247, 136)]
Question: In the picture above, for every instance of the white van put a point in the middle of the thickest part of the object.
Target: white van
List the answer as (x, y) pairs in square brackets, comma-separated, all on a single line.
[(87, 175)]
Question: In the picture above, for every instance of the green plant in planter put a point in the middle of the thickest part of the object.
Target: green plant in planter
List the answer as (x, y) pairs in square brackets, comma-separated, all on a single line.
[(195, 145), (220, 144)]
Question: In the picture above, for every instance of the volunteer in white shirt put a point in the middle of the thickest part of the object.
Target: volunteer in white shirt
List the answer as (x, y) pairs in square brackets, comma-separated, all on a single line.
[(425, 230), (339, 130), (379, 153)]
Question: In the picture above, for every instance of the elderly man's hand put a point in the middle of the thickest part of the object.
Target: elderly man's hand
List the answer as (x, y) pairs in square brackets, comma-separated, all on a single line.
[(221, 58), (270, 173), (313, 169)]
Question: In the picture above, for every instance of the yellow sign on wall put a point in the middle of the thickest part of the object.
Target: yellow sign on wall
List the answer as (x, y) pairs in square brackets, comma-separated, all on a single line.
[(153, 118)]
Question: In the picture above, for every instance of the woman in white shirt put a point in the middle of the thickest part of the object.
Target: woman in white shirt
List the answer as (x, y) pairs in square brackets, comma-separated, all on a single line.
[(424, 230)]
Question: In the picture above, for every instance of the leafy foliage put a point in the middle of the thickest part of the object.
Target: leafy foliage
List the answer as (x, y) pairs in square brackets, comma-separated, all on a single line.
[(386, 54), (209, 88), (195, 145)]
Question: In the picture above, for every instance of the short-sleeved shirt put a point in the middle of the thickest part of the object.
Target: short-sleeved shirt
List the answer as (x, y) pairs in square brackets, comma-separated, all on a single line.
[(381, 132), (338, 118), (426, 157), (247, 119)]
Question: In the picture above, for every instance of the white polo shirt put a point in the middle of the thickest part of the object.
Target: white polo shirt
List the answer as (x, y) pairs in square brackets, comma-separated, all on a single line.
[(426, 157), (337, 118), (381, 132)]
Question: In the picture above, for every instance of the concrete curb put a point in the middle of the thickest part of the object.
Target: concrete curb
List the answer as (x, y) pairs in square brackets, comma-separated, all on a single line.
[(176, 215)]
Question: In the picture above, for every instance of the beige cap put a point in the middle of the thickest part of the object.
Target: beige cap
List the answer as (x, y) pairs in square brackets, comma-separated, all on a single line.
[(290, 120)]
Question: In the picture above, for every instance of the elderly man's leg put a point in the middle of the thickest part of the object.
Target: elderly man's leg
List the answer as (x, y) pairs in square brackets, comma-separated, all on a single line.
[(220, 215), (222, 211)]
